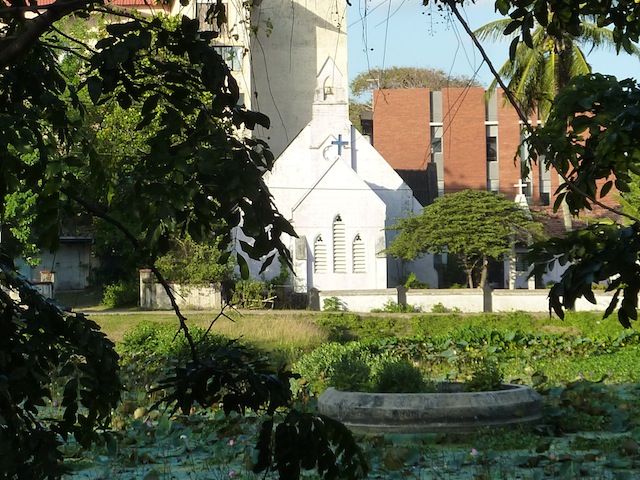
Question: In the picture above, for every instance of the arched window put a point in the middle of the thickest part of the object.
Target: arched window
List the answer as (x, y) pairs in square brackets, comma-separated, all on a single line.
[(319, 255), (359, 259), (339, 246)]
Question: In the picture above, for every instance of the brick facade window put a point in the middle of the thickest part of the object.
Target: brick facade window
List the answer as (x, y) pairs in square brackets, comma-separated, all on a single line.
[(492, 149)]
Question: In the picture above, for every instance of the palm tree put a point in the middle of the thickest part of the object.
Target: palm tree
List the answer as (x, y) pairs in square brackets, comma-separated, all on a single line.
[(537, 74)]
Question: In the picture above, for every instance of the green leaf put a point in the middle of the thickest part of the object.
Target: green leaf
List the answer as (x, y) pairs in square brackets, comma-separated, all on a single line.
[(502, 6), (121, 29), (613, 304), (606, 188), (512, 27), (267, 262), (150, 104), (94, 86), (541, 13), (244, 267), (622, 185), (513, 48)]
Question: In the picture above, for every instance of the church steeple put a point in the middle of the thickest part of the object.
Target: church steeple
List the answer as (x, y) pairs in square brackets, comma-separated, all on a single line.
[(331, 98)]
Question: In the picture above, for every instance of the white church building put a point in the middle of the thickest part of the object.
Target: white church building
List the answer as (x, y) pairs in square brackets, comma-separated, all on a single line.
[(340, 195)]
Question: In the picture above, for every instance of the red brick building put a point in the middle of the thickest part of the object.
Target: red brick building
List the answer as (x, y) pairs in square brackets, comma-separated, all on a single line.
[(471, 143)]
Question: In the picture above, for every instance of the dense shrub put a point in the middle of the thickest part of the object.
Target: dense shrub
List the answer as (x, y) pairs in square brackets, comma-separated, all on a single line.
[(151, 351), (412, 282), (150, 339), (250, 294), (394, 307), (350, 372), (121, 294), (333, 304), (396, 375), (345, 326), (191, 263), (331, 364), (487, 376), (357, 366)]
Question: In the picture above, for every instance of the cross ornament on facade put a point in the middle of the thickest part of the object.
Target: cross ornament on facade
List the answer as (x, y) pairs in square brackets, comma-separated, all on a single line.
[(340, 143)]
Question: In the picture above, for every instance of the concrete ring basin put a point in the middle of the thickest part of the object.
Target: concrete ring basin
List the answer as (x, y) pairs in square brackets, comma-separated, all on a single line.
[(445, 411)]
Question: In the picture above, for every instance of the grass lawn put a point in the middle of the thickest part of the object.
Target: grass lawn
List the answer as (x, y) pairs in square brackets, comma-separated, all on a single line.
[(266, 331)]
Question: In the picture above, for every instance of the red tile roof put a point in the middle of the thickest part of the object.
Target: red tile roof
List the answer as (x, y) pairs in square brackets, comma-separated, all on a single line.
[(120, 3)]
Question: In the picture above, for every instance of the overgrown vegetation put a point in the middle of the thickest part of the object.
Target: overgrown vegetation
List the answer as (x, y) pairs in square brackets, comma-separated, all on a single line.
[(589, 424), (124, 293), (394, 307), (192, 263)]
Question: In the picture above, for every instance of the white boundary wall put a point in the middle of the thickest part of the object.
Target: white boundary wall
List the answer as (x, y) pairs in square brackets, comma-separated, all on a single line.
[(463, 300), (360, 300), (538, 301), (153, 296)]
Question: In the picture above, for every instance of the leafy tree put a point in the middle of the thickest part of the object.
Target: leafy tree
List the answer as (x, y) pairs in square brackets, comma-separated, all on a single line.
[(591, 140), (473, 225), (535, 74), (630, 201), (407, 77), (356, 109), (190, 174)]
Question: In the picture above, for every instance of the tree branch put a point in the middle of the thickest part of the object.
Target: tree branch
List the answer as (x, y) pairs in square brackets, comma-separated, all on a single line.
[(37, 27), (100, 212)]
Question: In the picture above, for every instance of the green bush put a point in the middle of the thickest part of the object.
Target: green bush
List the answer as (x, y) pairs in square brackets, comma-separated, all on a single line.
[(341, 326), (394, 307), (413, 282), (486, 377), (250, 294), (345, 327), (439, 308), (121, 294), (151, 351), (191, 263), (396, 375), (346, 367), (333, 304), (360, 367), (160, 339), (350, 373)]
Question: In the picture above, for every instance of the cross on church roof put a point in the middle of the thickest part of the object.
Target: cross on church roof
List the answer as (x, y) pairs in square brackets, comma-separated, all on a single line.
[(520, 185), (340, 143)]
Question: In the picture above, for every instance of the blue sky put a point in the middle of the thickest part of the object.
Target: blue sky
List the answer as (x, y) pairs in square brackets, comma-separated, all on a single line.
[(387, 33)]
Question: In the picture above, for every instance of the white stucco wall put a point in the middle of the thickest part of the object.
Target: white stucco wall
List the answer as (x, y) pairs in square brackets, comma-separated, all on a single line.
[(361, 301), (463, 300), (154, 297), (341, 192)]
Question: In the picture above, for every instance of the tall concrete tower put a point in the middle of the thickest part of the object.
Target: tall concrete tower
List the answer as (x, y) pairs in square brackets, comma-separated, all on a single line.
[(289, 45)]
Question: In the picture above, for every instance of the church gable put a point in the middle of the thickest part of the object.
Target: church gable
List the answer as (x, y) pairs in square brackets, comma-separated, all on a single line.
[(340, 194)]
